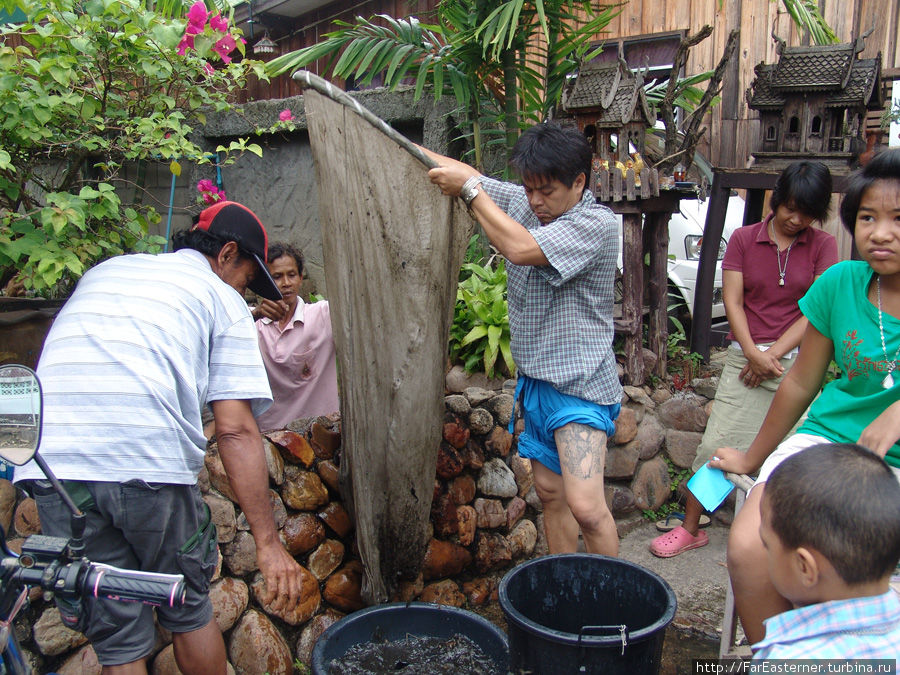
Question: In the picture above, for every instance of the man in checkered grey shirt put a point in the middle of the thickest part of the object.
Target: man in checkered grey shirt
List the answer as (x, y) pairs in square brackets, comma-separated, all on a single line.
[(561, 249)]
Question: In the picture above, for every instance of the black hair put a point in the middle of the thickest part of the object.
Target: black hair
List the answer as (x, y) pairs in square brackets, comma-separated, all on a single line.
[(198, 240), (551, 152), (279, 248), (883, 166), (842, 500), (804, 186), (204, 242)]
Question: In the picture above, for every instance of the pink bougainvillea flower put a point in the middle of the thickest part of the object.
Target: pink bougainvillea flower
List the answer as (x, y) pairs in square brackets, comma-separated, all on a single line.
[(213, 197), (193, 29), (285, 115), (187, 42), (223, 47), (209, 70), (197, 14), (219, 23), (209, 192)]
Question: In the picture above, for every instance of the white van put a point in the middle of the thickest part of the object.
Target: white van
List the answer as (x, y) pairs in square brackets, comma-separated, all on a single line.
[(685, 238)]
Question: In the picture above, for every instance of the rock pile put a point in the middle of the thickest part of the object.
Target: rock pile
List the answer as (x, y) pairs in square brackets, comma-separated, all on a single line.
[(485, 518)]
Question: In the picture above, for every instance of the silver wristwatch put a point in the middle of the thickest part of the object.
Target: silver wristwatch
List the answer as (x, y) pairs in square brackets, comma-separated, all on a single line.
[(470, 189)]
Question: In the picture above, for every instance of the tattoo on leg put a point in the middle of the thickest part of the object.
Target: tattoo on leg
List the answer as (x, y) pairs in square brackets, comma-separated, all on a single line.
[(582, 449)]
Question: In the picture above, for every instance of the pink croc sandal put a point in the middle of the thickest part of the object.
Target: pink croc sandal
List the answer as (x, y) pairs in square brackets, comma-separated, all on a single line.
[(677, 541)]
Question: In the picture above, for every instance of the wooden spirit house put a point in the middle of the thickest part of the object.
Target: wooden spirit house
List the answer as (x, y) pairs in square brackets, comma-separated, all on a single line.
[(608, 104), (813, 103)]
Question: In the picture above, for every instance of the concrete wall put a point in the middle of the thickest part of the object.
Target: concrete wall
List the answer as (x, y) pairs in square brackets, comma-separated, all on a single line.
[(280, 186)]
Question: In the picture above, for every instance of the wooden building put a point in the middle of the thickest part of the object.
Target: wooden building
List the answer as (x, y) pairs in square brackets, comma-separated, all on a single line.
[(610, 108), (646, 32), (814, 102)]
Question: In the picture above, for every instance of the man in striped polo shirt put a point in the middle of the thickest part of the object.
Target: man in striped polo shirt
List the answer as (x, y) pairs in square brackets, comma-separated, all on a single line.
[(561, 247), (142, 346)]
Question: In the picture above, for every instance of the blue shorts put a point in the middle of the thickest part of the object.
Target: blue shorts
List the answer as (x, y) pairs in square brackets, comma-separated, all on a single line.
[(545, 410)]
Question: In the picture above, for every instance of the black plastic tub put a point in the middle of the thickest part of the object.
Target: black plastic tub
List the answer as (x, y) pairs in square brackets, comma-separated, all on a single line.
[(583, 613), (396, 621)]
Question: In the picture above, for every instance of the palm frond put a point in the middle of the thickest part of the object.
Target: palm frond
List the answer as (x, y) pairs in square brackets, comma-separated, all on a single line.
[(365, 49), (806, 14)]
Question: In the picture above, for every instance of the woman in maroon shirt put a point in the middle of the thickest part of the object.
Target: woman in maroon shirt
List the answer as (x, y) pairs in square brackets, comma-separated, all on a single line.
[(767, 268)]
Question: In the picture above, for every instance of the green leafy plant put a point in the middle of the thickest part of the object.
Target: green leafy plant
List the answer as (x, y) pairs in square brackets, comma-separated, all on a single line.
[(480, 330), (807, 16), (478, 250), (891, 114), (661, 512), (676, 478), (832, 372), (683, 364), (87, 86)]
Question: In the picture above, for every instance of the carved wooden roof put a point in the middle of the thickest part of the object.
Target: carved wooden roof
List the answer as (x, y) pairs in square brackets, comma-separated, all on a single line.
[(861, 87), (831, 69), (811, 68), (761, 95), (610, 89)]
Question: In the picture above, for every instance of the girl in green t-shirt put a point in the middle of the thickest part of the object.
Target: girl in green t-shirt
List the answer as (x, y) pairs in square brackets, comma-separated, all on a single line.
[(854, 318)]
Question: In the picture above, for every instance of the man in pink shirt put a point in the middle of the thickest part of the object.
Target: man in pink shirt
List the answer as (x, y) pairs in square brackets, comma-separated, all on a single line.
[(297, 346)]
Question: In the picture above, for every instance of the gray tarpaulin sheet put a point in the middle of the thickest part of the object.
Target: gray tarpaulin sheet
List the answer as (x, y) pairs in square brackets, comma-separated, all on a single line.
[(393, 245)]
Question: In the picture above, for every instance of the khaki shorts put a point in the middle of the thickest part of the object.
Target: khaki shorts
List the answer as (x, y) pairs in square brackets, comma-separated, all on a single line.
[(738, 411), (136, 525)]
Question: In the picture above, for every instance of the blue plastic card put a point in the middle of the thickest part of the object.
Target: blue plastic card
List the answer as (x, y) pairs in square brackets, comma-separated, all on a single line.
[(710, 487)]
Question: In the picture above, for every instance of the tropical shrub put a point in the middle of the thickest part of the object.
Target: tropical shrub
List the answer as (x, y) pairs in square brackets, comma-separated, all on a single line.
[(86, 86), (480, 329), (506, 63)]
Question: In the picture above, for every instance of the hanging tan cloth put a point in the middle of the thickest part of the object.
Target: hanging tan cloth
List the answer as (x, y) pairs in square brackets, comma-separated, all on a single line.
[(393, 246)]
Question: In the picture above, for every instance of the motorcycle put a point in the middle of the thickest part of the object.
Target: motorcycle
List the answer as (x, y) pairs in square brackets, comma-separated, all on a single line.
[(55, 564)]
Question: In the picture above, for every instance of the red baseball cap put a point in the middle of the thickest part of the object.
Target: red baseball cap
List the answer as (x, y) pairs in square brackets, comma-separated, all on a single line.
[(235, 222)]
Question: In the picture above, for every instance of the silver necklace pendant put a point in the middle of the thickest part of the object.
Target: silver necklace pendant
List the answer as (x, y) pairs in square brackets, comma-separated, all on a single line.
[(888, 380), (782, 270)]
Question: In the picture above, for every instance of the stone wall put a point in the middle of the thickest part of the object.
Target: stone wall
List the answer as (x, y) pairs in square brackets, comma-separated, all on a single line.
[(486, 517)]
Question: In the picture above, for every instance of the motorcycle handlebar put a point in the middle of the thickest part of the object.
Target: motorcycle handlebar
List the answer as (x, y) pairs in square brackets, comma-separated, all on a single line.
[(106, 581), (84, 579)]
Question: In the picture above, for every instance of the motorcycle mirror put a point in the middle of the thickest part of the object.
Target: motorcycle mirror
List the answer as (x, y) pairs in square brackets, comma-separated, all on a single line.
[(20, 414)]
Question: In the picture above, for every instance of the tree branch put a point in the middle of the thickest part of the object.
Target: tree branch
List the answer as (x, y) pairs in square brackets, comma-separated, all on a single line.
[(693, 133), (667, 106)]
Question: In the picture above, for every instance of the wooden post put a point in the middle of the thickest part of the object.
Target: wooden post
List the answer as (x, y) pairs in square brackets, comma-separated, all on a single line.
[(657, 339), (754, 207), (632, 295), (701, 318)]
